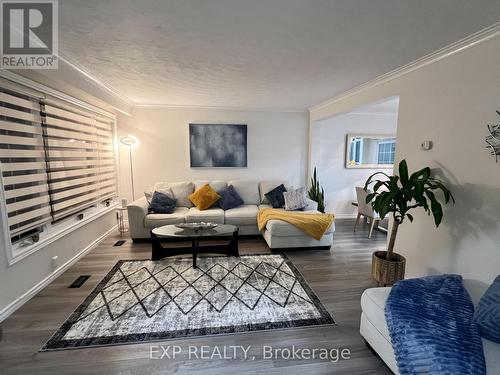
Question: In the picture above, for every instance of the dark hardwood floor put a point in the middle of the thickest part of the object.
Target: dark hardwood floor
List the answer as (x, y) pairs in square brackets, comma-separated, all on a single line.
[(338, 277)]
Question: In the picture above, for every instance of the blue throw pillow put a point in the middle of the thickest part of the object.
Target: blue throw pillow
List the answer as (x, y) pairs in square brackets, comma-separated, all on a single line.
[(229, 198), (162, 203), (275, 196), (487, 316)]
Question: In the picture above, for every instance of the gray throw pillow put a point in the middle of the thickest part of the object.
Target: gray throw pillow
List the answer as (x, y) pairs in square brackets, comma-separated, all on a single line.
[(148, 194), (180, 191), (295, 199), (229, 198), (162, 203)]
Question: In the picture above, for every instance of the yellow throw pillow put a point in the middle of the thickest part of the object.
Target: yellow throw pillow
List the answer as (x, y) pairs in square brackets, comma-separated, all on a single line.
[(205, 197)]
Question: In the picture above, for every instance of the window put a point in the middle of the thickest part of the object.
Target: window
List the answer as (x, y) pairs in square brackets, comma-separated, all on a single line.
[(80, 159), (56, 160), (23, 164), (386, 152), (356, 150)]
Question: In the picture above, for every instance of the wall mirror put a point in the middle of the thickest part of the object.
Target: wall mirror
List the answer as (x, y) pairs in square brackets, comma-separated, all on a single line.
[(370, 151)]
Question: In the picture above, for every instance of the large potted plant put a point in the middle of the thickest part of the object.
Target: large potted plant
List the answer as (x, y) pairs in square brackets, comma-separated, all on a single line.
[(398, 195)]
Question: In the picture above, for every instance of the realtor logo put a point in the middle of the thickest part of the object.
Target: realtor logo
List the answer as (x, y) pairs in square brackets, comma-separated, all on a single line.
[(29, 34)]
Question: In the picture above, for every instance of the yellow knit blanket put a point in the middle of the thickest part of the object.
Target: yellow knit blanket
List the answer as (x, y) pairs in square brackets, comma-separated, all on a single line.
[(313, 224)]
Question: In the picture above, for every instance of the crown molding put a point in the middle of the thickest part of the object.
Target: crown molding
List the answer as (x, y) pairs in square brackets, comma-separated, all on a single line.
[(124, 99), (223, 108), (360, 113), (472, 40)]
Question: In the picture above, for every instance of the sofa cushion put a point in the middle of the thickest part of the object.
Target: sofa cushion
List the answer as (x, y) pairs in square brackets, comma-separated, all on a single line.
[(243, 215), (247, 190), (152, 221), (162, 203), (215, 184), (229, 198), (276, 197), (487, 316), (283, 229), (205, 197), (181, 191), (266, 186), (212, 215)]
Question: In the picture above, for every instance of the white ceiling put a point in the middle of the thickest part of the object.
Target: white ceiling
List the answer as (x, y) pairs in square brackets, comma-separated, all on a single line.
[(261, 54)]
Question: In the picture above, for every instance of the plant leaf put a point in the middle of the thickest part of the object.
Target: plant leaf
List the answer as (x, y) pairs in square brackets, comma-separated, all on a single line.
[(403, 172), (439, 185), (370, 179), (379, 184), (421, 175), (436, 209), (370, 197)]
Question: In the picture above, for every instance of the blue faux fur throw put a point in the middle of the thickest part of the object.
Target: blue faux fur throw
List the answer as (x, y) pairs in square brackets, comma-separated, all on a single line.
[(431, 327)]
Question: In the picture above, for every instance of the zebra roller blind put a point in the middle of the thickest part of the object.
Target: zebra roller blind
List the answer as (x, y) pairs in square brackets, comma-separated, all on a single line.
[(80, 158), (56, 159), (22, 158)]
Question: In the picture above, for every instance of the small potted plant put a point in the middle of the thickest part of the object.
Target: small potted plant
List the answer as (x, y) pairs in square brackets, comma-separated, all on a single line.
[(317, 193), (398, 195)]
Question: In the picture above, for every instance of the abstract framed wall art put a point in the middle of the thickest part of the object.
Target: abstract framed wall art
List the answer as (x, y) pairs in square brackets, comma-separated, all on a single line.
[(218, 145)]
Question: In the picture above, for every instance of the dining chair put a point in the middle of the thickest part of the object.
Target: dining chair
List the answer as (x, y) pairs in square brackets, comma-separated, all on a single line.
[(366, 210)]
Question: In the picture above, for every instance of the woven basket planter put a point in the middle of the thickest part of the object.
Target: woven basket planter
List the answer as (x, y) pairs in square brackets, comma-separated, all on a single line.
[(387, 272)]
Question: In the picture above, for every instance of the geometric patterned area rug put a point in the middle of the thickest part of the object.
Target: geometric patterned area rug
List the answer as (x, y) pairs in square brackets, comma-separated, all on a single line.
[(144, 300)]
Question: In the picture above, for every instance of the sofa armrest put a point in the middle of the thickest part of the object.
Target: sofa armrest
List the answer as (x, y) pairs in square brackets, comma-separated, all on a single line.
[(137, 211), (311, 205)]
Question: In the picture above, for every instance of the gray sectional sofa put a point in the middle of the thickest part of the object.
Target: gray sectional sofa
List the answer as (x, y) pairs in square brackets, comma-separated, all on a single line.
[(278, 234)]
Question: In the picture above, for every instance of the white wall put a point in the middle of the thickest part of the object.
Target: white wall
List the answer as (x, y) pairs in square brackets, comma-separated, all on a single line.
[(328, 147), (22, 280), (449, 102), (277, 146)]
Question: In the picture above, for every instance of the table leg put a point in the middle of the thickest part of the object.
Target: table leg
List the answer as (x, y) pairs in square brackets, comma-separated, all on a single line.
[(156, 247), (121, 222), (234, 244), (195, 252)]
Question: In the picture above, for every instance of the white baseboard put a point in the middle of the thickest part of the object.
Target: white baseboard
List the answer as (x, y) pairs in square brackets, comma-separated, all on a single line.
[(25, 297)]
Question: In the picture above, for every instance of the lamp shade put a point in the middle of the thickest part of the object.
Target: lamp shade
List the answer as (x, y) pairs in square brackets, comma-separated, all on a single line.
[(130, 140)]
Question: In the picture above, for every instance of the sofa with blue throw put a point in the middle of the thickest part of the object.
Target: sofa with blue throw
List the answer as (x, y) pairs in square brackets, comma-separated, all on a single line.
[(377, 332)]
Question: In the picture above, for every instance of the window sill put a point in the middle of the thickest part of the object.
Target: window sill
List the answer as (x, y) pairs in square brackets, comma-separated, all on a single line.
[(16, 255)]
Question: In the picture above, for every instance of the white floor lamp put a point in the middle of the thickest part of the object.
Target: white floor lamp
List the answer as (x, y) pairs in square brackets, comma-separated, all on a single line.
[(130, 141)]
